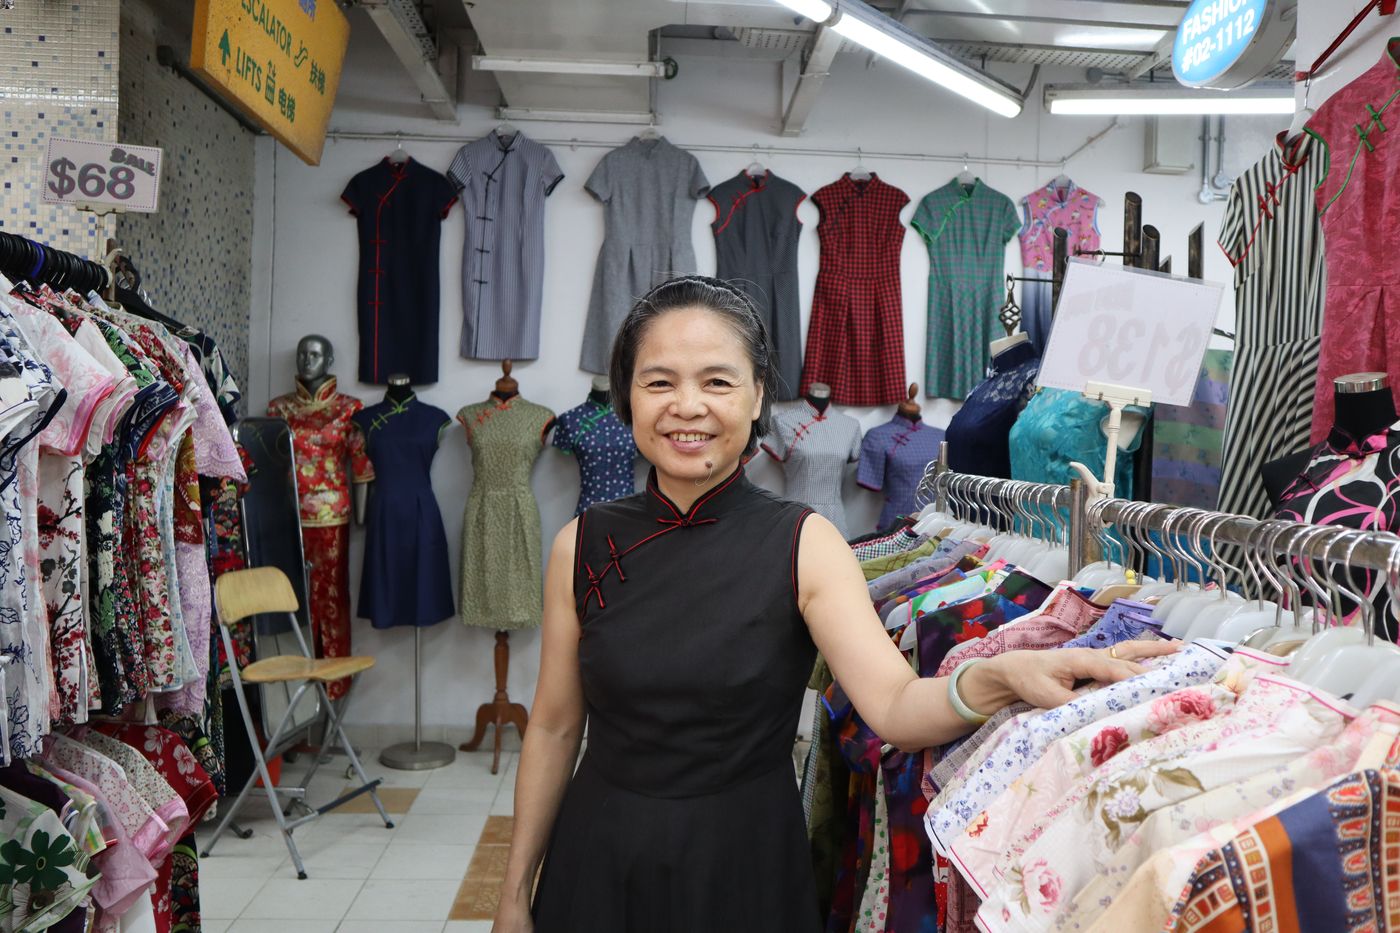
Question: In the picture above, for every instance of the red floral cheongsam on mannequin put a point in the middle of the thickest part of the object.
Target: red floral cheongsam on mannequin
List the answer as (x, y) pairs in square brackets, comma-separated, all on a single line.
[(325, 440)]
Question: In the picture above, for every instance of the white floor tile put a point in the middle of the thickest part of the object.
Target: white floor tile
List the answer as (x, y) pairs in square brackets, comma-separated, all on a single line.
[(396, 926), (447, 799), (349, 828), (467, 926), (404, 900), (451, 830), (228, 897), (220, 867), (282, 925), (312, 899), (427, 862), (209, 924), (325, 857)]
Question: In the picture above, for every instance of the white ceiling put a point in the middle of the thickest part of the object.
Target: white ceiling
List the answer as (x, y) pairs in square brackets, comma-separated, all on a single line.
[(1117, 35)]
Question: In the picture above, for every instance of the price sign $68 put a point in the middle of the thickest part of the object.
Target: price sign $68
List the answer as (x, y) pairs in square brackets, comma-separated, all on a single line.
[(1128, 352), (92, 180)]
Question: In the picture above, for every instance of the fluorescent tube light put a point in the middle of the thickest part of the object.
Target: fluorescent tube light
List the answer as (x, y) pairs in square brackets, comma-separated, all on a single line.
[(816, 10), (1165, 100), (632, 69), (642, 118)]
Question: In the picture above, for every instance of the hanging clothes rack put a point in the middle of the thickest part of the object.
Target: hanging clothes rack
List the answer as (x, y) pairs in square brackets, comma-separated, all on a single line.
[(1377, 551), (29, 260)]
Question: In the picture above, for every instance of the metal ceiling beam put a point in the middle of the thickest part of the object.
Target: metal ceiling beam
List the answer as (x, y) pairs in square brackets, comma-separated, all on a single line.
[(1160, 54), (1053, 20), (815, 70), (403, 28)]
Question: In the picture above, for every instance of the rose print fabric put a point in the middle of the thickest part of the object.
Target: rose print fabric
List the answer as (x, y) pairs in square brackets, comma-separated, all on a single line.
[(1285, 720), (1175, 824), (1027, 741)]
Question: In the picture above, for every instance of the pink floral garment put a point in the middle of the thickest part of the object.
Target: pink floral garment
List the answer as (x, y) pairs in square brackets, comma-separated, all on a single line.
[(138, 818), (1275, 722), (1172, 825), (1066, 763), (149, 783)]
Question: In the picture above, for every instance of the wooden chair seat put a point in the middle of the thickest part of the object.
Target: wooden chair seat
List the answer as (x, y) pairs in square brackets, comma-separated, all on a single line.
[(287, 667)]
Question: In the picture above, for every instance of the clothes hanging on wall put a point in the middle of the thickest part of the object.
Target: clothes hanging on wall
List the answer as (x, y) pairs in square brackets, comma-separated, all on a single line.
[(604, 448), (893, 457), (502, 576), (756, 232), (855, 339), (1358, 206), (398, 209), (330, 454), (979, 434), (1272, 236), (648, 188), (405, 578), (1061, 203), (966, 229), (503, 183), (814, 448)]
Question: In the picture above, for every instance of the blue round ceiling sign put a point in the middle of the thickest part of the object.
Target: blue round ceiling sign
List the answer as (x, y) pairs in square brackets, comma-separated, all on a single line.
[(1225, 44)]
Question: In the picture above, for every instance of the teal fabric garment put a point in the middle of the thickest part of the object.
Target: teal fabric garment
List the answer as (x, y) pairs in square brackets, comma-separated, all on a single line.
[(1060, 426), (966, 229)]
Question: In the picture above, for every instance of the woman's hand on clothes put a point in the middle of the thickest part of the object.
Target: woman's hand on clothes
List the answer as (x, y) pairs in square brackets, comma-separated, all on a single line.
[(1046, 678)]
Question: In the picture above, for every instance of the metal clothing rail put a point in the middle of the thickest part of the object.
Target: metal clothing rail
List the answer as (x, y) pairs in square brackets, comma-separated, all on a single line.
[(755, 149), (1327, 544)]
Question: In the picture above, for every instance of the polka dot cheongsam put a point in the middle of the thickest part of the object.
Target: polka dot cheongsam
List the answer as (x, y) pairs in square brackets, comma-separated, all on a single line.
[(814, 447), (605, 451)]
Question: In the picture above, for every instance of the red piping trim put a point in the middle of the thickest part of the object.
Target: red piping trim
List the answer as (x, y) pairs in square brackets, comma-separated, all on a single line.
[(348, 203), (796, 532), (448, 208), (735, 206), (796, 206), (378, 270)]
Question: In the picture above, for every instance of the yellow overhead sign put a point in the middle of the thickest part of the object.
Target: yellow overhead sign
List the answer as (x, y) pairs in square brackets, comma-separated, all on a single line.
[(278, 60)]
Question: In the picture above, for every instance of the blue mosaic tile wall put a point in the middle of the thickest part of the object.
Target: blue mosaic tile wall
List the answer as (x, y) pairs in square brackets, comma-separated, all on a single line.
[(195, 253), (58, 75)]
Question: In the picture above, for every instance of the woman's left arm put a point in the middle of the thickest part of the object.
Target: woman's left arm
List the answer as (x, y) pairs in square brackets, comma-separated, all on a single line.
[(906, 710)]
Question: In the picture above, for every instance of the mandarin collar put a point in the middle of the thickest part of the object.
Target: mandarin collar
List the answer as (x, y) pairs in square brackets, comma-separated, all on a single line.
[(907, 422), (708, 508), (501, 140), (1323, 466), (819, 414), (322, 394)]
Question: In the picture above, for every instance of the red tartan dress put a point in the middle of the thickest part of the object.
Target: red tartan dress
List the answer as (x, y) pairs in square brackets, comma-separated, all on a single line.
[(855, 341), (325, 438)]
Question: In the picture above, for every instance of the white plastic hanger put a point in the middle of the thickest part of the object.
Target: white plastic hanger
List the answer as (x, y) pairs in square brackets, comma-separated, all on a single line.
[(860, 172), (755, 169), (400, 155), (965, 177), (1301, 117), (1341, 669), (1259, 613)]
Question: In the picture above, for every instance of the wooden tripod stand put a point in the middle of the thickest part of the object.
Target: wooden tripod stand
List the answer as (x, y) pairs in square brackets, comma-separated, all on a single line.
[(500, 712)]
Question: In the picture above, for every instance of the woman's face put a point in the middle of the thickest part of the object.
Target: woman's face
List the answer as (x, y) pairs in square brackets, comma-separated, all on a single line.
[(694, 395)]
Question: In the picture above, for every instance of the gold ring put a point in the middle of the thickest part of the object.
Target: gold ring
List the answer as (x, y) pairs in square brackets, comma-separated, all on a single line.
[(1113, 653)]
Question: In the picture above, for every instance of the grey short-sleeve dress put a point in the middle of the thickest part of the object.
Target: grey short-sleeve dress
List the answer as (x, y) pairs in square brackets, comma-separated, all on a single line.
[(814, 448), (649, 189), (756, 231), (503, 183)]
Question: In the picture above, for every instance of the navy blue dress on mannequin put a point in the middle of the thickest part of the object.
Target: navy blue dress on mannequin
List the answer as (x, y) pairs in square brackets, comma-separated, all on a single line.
[(684, 815), (406, 578)]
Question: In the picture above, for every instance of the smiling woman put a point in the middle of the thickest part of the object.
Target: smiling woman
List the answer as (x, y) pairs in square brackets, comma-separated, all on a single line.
[(682, 624)]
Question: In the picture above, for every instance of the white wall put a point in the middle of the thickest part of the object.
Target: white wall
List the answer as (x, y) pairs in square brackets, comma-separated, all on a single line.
[(1321, 21), (304, 270)]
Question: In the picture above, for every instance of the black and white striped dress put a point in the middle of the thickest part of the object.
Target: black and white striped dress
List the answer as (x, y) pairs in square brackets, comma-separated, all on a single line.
[(1273, 237)]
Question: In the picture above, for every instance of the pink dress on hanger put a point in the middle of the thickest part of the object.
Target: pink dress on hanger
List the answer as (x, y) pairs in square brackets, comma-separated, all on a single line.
[(1359, 202)]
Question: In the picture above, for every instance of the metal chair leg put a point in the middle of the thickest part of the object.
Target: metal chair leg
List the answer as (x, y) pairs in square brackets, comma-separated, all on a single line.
[(335, 721)]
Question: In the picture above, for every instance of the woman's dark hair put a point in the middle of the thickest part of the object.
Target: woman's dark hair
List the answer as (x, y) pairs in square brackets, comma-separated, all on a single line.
[(696, 291)]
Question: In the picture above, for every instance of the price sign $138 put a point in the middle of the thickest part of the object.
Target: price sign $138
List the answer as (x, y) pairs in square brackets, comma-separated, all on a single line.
[(1132, 352), (89, 172)]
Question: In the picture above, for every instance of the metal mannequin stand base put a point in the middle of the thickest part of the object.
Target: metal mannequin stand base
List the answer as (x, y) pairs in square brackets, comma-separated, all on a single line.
[(417, 755)]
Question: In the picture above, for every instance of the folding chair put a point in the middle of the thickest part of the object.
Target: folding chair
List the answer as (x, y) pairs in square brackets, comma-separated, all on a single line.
[(239, 595)]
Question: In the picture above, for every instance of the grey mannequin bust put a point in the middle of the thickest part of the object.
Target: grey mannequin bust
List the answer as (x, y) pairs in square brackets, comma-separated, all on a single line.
[(315, 357)]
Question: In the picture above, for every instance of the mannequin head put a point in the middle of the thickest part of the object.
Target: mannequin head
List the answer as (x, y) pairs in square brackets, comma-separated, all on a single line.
[(315, 356)]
